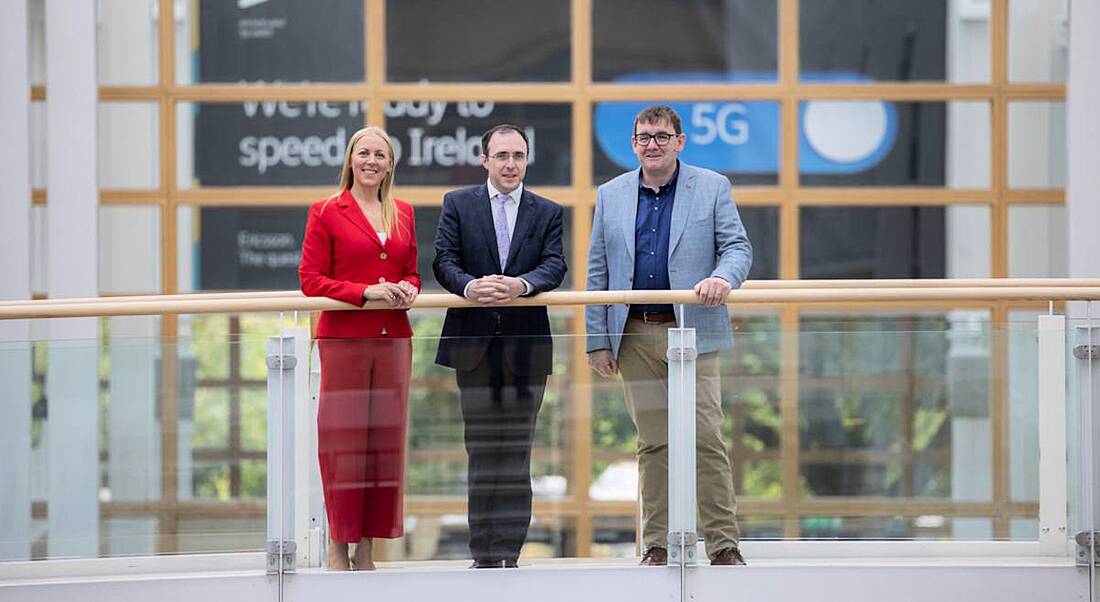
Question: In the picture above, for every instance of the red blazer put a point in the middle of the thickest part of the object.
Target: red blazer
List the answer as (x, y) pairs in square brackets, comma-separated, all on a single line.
[(342, 255)]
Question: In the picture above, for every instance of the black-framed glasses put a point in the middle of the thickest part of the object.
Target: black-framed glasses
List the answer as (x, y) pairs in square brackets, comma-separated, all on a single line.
[(662, 138)]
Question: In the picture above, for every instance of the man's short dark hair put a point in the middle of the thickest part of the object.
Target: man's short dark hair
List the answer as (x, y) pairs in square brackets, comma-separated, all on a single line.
[(657, 114), (504, 127)]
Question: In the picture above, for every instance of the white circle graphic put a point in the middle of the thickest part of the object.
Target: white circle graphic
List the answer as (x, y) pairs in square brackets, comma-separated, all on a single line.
[(844, 131)]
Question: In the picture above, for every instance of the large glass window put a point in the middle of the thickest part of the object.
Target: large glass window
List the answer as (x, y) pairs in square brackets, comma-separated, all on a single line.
[(872, 242), (473, 41), (889, 143), (271, 41), (864, 40), (762, 226), (645, 41)]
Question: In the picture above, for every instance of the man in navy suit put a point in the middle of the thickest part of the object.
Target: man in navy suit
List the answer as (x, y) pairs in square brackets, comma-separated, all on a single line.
[(496, 242)]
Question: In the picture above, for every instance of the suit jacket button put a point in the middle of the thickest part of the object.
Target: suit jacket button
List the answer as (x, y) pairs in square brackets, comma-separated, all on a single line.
[(381, 280), (382, 256)]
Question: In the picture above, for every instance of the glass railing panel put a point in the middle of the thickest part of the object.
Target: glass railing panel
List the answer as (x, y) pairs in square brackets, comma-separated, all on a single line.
[(100, 401), (898, 414), (750, 385), (222, 428), (885, 425), (1082, 418), (583, 475)]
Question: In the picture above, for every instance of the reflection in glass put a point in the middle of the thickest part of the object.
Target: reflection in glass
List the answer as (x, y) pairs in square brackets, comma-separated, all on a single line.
[(436, 469), (114, 502), (762, 226), (872, 242), (702, 40), (750, 397), (902, 40), (896, 406), (430, 41), (929, 527)]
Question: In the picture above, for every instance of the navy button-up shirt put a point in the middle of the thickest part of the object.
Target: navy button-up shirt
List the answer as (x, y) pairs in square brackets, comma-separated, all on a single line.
[(651, 234)]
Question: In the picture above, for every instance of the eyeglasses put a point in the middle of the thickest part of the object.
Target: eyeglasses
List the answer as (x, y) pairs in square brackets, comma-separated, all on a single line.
[(662, 138), (518, 157)]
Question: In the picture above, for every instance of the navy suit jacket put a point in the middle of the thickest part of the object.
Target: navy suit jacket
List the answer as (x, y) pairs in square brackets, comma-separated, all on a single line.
[(466, 249)]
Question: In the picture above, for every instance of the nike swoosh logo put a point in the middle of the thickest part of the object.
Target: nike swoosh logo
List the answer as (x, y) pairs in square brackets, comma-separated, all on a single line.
[(243, 4)]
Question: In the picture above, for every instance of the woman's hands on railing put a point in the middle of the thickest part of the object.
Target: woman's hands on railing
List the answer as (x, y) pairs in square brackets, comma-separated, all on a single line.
[(399, 295)]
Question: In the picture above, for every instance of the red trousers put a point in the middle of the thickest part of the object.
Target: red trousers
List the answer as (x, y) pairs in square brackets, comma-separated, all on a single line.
[(362, 418)]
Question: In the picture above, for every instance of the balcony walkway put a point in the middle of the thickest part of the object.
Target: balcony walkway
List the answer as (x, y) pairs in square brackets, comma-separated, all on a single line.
[(994, 579)]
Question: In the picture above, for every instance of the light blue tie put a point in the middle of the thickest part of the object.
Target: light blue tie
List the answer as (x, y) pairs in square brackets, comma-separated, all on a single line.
[(504, 240)]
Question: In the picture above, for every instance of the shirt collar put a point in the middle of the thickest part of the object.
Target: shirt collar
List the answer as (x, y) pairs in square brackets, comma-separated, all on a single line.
[(669, 185), (514, 195)]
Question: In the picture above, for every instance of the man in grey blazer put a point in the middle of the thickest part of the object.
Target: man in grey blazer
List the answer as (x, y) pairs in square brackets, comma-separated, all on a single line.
[(669, 226)]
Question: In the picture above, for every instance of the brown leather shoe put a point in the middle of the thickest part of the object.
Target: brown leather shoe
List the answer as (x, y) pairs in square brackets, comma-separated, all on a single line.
[(655, 556), (727, 557)]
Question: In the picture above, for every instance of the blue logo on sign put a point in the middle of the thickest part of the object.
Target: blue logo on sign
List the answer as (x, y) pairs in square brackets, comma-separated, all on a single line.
[(835, 137)]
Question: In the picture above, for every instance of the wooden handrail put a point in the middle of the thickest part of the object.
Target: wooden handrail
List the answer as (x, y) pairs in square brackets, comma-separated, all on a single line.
[(950, 283), (277, 302)]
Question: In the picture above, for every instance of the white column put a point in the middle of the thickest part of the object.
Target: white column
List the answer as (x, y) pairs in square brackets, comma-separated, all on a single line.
[(15, 283), (1083, 133), (1053, 519), (72, 380)]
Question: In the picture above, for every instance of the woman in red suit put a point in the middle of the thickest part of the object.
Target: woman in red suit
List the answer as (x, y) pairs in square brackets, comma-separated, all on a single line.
[(360, 246)]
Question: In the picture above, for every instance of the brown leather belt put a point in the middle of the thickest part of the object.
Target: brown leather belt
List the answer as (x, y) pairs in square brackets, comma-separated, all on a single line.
[(653, 317)]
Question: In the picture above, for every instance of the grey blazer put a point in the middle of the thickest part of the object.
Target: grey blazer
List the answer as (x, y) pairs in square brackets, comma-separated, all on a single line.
[(706, 239)]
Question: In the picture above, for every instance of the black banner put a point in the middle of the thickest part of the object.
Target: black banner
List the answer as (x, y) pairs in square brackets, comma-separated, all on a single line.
[(280, 40), (246, 248)]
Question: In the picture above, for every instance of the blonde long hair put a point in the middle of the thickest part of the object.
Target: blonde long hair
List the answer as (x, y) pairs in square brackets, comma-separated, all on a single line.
[(385, 190)]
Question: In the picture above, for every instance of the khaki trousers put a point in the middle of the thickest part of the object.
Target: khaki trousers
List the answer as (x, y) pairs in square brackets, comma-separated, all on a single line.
[(643, 364)]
